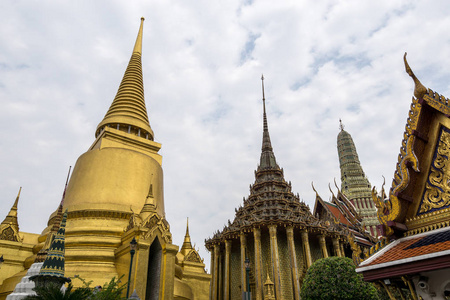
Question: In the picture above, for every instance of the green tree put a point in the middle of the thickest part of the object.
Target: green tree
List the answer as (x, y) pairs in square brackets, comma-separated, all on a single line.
[(110, 291), (52, 291), (335, 278)]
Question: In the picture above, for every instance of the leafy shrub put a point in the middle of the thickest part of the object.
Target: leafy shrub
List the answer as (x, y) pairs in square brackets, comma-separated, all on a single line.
[(335, 278)]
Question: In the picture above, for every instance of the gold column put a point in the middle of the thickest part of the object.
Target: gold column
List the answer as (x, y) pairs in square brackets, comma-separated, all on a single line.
[(337, 250), (168, 284), (215, 285), (275, 259), (226, 292), (323, 245), (291, 245), (243, 256), (258, 264), (341, 247), (388, 290), (305, 240), (213, 279)]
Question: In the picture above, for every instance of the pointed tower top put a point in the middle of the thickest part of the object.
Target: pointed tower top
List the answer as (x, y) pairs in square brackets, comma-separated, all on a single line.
[(128, 112), (9, 228), (138, 44), (341, 126), (53, 267), (267, 159), (187, 246)]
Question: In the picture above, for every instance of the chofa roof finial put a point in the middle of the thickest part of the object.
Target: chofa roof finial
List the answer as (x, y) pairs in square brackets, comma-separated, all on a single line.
[(419, 89)]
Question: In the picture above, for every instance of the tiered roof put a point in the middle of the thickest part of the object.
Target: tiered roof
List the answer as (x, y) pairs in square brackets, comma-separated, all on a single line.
[(271, 200)]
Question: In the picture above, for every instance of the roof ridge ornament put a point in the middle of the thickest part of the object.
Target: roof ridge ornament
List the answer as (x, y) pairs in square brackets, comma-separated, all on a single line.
[(419, 89)]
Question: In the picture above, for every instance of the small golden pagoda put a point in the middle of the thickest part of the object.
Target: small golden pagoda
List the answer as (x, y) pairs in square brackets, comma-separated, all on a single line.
[(273, 228), (115, 194)]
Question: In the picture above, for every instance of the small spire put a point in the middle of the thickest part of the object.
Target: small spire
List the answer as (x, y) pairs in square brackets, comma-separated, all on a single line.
[(138, 44), (341, 126), (53, 266), (187, 226), (187, 246), (9, 228), (267, 159)]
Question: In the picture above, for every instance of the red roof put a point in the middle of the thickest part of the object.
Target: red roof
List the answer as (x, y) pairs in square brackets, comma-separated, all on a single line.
[(408, 249), (338, 214)]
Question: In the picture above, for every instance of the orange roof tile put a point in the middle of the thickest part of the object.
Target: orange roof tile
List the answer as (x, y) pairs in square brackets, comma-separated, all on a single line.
[(338, 214), (411, 247)]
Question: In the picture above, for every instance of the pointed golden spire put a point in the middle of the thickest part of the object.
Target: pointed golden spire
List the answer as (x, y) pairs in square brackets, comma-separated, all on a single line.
[(9, 228), (127, 111), (267, 159), (187, 246), (11, 218)]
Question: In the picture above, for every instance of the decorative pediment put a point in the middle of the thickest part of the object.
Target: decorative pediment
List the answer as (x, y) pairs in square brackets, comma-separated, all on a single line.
[(193, 256), (8, 233)]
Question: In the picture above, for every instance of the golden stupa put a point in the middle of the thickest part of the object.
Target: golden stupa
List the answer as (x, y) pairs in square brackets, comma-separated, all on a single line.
[(115, 194)]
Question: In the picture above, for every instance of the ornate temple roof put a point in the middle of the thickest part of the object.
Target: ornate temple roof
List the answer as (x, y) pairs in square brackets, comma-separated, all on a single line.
[(128, 107), (354, 183), (271, 200), (9, 228)]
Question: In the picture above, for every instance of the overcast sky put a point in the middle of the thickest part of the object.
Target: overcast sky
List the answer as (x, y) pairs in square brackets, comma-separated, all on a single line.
[(61, 63)]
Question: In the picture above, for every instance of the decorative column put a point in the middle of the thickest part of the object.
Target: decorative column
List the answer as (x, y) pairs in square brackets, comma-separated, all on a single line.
[(337, 250), (306, 248), (275, 259), (341, 247), (294, 268), (323, 245), (215, 285), (213, 279), (258, 264), (243, 256), (226, 292)]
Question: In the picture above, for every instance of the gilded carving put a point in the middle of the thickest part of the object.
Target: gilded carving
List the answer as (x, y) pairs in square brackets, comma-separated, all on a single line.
[(8, 234), (437, 189), (193, 257)]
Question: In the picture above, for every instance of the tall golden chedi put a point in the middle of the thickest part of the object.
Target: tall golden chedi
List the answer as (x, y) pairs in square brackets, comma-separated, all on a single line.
[(116, 193), (276, 232)]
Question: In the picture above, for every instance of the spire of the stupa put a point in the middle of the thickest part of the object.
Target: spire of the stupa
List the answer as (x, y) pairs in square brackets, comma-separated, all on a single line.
[(267, 160), (53, 267), (187, 240), (55, 222), (128, 112), (9, 228), (354, 183)]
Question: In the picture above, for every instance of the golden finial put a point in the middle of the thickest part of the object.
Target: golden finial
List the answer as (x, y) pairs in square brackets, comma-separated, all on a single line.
[(138, 45), (329, 187), (312, 184), (262, 80), (419, 89)]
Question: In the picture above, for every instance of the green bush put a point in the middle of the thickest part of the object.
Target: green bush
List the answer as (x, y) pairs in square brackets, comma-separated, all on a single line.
[(335, 278)]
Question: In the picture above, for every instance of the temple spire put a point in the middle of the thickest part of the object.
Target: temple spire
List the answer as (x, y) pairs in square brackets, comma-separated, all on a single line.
[(267, 156), (127, 111), (187, 246), (11, 218)]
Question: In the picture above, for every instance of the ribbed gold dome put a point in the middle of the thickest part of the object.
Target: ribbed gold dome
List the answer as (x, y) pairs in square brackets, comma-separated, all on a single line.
[(128, 111)]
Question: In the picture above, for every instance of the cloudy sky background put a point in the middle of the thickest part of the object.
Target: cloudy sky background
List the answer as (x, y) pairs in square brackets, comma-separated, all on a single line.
[(61, 63)]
